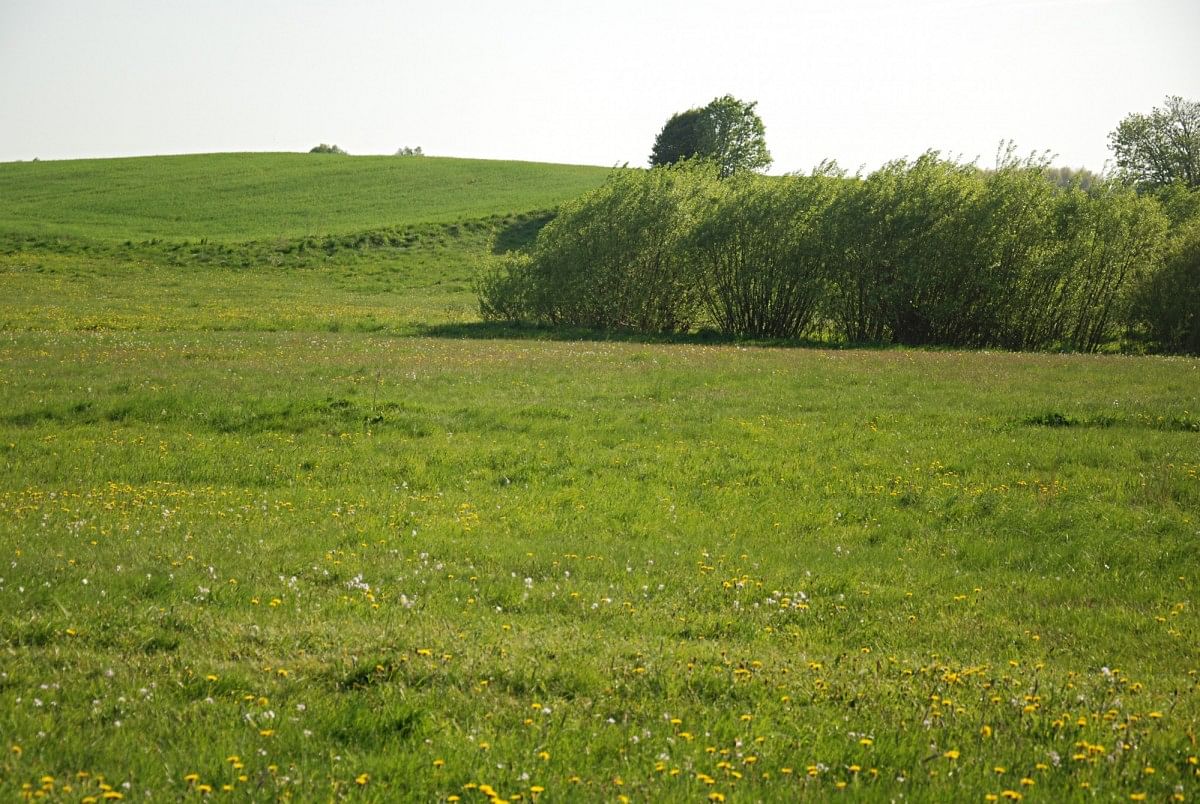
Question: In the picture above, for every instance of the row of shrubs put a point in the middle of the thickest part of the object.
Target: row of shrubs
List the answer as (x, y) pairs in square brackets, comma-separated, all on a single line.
[(930, 251)]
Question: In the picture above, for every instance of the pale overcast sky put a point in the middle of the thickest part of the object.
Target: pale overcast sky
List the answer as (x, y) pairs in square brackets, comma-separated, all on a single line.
[(861, 81)]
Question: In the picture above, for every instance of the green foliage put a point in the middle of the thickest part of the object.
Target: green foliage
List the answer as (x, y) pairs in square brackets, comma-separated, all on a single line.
[(1162, 147), (680, 139), (1065, 177), (324, 148), (928, 252), (727, 132), (505, 288), (1168, 304), (615, 258), (942, 253), (1111, 242), (1180, 204), (407, 151), (761, 245)]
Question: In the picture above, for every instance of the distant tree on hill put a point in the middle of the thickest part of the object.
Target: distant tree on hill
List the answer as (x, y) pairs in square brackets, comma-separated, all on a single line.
[(727, 132), (323, 148), (1160, 148), (406, 151), (679, 139), (1069, 177)]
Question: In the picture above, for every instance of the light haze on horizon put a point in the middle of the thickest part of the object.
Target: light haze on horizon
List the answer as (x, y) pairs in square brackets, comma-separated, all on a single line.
[(860, 81)]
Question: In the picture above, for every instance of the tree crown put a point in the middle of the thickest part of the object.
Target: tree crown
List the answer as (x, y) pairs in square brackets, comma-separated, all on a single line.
[(727, 132)]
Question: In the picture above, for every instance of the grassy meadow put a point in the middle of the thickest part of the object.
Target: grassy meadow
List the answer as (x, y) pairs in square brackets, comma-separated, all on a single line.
[(281, 520)]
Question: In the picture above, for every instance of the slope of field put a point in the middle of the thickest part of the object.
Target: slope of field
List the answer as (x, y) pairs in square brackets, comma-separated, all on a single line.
[(229, 197), (272, 528)]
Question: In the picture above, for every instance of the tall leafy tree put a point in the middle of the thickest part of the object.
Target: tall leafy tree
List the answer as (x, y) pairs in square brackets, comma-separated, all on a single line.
[(680, 139), (1161, 148), (734, 136), (727, 132)]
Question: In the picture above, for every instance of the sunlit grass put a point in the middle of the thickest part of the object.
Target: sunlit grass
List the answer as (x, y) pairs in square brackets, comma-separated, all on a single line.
[(597, 569), (263, 537), (235, 197)]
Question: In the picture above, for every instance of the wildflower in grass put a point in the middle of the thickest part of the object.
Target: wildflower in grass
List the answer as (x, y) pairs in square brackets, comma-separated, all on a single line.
[(1013, 795), (544, 756), (192, 778), (1027, 782), (985, 731), (204, 789), (362, 778), (437, 763), (953, 753)]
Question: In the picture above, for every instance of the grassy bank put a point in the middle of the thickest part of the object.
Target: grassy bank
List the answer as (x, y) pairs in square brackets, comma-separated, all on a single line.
[(267, 535)]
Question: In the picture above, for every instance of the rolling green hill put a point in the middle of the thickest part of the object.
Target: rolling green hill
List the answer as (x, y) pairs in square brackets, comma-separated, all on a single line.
[(231, 197), (281, 518)]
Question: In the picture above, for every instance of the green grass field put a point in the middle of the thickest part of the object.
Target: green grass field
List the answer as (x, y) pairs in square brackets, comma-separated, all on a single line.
[(235, 197), (288, 523)]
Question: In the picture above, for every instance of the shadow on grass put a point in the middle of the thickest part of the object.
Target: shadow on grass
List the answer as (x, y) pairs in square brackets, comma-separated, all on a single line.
[(506, 331), (520, 232)]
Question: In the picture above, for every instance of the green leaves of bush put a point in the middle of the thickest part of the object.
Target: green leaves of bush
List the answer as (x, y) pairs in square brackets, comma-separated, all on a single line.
[(929, 251)]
